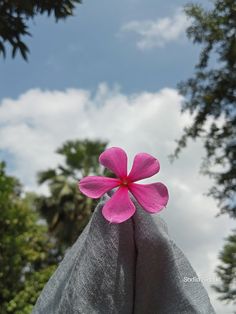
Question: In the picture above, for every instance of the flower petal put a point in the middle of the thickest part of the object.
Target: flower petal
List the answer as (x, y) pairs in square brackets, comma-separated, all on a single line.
[(144, 166), (152, 197), (115, 159), (95, 187), (119, 207)]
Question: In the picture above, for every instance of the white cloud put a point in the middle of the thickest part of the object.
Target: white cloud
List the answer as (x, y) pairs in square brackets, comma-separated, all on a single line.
[(157, 33), (35, 124)]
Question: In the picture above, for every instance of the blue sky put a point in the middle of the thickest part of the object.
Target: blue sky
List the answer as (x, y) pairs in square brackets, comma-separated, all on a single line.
[(90, 48), (110, 73)]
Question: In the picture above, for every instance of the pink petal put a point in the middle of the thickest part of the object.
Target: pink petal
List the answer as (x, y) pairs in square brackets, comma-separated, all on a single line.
[(115, 159), (119, 207), (144, 166), (95, 187), (152, 197)]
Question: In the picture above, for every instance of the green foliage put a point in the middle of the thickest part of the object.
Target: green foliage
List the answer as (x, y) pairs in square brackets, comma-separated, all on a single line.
[(24, 247), (14, 17), (66, 210), (82, 156), (24, 301), (28, 256), (211, 98), (227, 270)]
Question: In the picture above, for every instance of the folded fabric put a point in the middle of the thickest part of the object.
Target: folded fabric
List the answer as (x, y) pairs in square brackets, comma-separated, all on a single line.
[(128, 268)]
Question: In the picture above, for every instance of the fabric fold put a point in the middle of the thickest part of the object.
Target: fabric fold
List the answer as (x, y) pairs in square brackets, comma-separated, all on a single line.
[(128, 268), (161, 271)]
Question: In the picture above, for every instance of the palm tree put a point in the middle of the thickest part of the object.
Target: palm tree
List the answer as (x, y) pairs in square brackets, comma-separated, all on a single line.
[(65, 209)]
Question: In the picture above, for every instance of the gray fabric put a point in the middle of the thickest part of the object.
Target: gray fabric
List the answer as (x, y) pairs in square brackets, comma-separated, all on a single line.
[(129, 268)]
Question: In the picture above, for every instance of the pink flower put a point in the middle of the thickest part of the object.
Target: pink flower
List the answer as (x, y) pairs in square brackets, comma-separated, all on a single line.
[(151, 197)]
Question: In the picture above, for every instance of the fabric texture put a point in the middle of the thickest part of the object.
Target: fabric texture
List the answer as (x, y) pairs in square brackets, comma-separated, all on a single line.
[(128, 268)]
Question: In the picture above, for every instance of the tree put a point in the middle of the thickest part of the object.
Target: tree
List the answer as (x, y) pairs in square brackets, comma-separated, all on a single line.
[(210, 97), (25, 299), (24, 249), (66, 210), (14, 17), (227, 270)]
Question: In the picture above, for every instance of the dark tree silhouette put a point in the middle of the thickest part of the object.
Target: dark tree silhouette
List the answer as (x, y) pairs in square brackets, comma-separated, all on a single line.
[(210, 96), (15, 15)]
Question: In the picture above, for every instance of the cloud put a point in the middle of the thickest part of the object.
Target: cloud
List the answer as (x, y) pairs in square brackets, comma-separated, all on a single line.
[(35, 124), (157, 33)]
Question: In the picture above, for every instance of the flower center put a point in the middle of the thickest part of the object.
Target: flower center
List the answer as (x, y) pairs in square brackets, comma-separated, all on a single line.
[(125, 182)]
